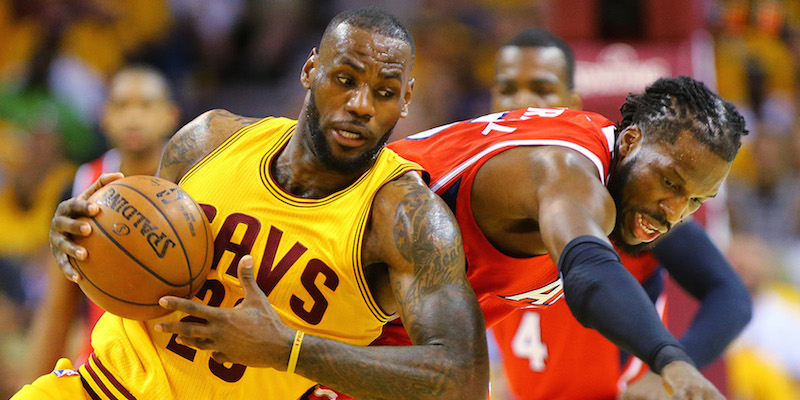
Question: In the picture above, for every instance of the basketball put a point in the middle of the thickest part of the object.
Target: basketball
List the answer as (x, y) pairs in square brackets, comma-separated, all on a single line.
[(150, 239)]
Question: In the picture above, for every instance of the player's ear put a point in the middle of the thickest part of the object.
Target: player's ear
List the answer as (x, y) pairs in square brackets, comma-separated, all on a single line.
[(575, 101), (628, 140), (309, 69), (407, 98)]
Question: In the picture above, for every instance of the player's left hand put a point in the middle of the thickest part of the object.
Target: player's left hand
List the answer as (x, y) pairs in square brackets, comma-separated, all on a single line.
[(649, 387), (250, 334)]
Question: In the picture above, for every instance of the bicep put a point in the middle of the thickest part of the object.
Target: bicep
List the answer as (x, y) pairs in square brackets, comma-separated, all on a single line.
[(571, 202), (426, 263)]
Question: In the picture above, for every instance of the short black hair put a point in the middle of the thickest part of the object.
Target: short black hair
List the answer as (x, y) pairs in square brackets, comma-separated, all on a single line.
[(147, 70), (375, 20), (536, 37), (670, 106)]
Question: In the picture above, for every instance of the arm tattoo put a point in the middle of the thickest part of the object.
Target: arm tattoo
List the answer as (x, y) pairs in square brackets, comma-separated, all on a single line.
[(438, 308), (198, 138), (183, 148), (426, 236)]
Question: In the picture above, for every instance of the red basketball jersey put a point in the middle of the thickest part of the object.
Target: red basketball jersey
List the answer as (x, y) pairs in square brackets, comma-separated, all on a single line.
[(452, 155), (548, 354)]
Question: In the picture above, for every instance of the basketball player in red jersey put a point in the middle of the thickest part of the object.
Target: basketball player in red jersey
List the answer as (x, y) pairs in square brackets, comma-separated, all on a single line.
[(538, 191), (137, 119), (408, 252), (546, 353)]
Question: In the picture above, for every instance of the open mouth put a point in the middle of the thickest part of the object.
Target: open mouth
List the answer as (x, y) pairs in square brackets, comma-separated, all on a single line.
[(348, 134), (644, 229), (348, 138)]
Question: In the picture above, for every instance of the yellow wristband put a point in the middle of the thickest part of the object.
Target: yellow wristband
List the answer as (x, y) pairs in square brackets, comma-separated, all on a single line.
[(295, 354)]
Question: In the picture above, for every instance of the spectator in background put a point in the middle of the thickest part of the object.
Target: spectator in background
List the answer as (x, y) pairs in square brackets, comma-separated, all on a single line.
[(34, 130), (75, 45), (765, 199), (764, 362), (139, 117)]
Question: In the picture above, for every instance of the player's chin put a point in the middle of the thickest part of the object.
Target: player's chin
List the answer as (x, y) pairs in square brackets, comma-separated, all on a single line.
[(635, 246)]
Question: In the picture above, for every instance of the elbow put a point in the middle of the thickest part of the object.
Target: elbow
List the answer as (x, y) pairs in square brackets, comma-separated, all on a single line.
[(475, 380), (469, 379), (463, 369), (742, 307), (579, 293), (739, 304)]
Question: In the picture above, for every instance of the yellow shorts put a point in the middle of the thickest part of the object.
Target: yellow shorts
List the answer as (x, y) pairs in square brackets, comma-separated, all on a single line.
[(64, 383)]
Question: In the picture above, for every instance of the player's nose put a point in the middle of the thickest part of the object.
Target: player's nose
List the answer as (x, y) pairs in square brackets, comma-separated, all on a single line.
[(526, 98), (675, 208), (360, 102)]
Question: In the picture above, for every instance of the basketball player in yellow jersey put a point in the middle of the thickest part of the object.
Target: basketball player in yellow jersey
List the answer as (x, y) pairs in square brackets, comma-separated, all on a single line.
[(343, 234)]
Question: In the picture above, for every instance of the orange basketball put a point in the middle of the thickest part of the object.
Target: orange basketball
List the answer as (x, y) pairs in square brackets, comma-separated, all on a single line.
[(150, 239)]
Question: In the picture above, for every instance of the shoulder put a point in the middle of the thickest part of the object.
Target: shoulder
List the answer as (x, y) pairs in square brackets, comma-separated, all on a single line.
[(408, 188), (197, 139), (405, 215), (532, 180), (533, 166)]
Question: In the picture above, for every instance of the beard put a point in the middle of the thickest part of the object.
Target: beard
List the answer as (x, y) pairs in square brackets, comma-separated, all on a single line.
[(323, 151), (616, 185)]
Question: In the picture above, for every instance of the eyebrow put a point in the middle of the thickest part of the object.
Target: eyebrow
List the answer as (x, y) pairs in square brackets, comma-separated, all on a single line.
[(345, 60), (675, 171), (678, 174)]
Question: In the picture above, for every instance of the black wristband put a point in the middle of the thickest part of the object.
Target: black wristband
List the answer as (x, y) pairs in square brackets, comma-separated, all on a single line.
[(668, 354)]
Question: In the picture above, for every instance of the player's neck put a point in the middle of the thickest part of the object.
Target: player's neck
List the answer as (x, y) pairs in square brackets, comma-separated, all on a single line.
[(144, 163), (299, 171)]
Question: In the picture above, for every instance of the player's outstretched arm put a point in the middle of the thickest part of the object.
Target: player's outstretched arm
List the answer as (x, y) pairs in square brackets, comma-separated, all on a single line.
[(575, 214), (415, 235)]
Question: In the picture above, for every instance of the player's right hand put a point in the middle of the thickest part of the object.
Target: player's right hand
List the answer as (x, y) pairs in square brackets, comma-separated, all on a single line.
[(683, 381), (65, 223)]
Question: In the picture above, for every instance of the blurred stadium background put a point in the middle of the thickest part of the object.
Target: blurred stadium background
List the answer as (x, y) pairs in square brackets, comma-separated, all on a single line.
[(56, 57)]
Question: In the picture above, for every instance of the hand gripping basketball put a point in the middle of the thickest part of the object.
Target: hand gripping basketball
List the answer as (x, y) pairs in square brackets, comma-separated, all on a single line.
[(65, 224), (250, 334), (148, 240)]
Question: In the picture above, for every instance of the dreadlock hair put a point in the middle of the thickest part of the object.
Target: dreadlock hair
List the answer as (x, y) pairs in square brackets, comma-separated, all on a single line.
[(539, 38), (673, 105), (375, 20)]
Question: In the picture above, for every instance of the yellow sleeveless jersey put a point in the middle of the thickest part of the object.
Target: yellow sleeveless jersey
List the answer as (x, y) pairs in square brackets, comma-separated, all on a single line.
[(306, 259)]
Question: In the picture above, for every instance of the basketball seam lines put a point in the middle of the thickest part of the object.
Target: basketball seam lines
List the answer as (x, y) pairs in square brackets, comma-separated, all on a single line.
[(124, 250), (175, 231), (74, 264)]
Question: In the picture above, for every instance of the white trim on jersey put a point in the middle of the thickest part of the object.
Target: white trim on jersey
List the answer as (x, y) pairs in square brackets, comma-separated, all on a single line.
[(443, 181)]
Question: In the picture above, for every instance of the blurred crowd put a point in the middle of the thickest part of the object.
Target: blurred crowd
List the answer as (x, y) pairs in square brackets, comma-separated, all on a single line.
[(57, 58)]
